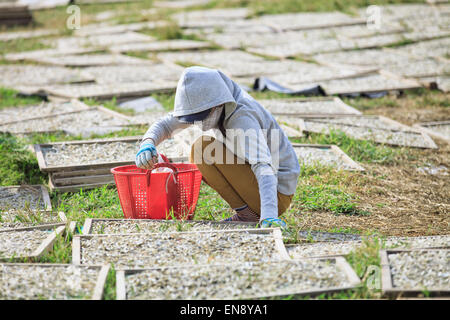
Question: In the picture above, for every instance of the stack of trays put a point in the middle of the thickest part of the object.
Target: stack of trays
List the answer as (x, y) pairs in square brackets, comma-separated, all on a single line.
[(12, 14), (87, 164)]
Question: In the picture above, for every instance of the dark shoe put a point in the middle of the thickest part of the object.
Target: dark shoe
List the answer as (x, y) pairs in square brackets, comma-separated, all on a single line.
[(244, 215)]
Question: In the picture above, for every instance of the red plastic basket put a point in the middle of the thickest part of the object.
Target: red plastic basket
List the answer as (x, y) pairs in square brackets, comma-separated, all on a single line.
[(145, 194)]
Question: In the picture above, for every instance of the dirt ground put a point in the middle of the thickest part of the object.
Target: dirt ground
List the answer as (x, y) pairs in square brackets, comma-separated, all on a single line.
[(402, 200)]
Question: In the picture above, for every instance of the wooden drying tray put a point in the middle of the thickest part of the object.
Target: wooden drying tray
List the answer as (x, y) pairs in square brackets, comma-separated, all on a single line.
[(45, 168), (340, 261), (350, 110), (80, 105), (355, 166), (40, 188), (387, 281), (45, 246), (426, 127), (275, 232), (300, 125), (168, 87), (98, 108), (401, 127), (87, 228), (62, 217), (406, 84), (99, 284), (78, 187)]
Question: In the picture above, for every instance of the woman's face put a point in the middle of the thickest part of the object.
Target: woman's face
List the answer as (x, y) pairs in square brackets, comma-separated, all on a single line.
[(212, 120)]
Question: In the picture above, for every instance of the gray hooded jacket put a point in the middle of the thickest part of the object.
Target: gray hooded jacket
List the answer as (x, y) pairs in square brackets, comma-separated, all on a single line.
[(264, 145)]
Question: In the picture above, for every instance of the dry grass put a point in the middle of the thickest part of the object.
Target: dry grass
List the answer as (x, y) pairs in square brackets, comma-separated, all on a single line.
[(399, 199)]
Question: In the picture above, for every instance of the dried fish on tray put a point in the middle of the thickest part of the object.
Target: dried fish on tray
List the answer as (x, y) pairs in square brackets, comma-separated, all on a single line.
[(180, 248), (318, 236), (99, 41), (399, 138), (24, 219), (84, 122), (431, 48), (180, 4), (365, 58), (32, 75), (418, 242), (299, 47), (247, 280), (308, 107), (209, 58), (113, 30), (30, 281), (81, 155), (345, 247), (123, 226), (327, 155), (86, 60), (295, 72), (373, 122), (411, 272), (166, 45), (309, 20), (133, 73), (30, 242), (37, 111), (13, 35), (438, 129), (370, 83), (29, 197), (377, 131), (63, 155), (211, 17), (419, 68), (321, 249), (106, 91)]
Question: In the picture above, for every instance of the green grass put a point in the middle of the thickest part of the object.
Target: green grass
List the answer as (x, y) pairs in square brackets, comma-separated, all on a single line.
[(417, 98), (12, 98), (324, 189), (19, 45), (319, 189), (110, 104), (358, 150), (110, 285), (348, 6), (17, 164), (100, 202)]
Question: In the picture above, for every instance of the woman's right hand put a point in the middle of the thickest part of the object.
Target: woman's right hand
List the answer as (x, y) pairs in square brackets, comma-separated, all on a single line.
[(147, 156)]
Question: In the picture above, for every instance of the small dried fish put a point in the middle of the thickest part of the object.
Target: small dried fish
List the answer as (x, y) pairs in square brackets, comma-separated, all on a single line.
[(235, 281), (19, 198), (189, 248), (146, 226), (46, 282), (422, 269)]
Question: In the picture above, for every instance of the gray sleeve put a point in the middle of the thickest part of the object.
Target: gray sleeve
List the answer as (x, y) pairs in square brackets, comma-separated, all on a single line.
[(164, 128), (250, 144), (267, 183)]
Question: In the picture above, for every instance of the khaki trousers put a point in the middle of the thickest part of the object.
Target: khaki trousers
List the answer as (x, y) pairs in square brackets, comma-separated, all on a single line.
[(235, 182)]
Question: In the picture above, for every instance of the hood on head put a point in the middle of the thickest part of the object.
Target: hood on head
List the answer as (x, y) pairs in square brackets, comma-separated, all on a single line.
[(200, 89)]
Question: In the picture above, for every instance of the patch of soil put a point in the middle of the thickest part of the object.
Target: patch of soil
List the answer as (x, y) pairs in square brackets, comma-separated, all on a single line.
[(402, 200)]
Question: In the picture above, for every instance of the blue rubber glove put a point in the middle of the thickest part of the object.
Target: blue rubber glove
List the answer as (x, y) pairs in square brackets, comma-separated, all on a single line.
[(273, 223), (147, 156)]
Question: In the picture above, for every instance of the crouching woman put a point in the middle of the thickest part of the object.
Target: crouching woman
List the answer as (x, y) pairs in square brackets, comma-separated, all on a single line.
[(250, 162)]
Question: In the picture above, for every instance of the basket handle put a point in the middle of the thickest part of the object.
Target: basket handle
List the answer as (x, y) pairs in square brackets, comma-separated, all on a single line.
[(162, 165)]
